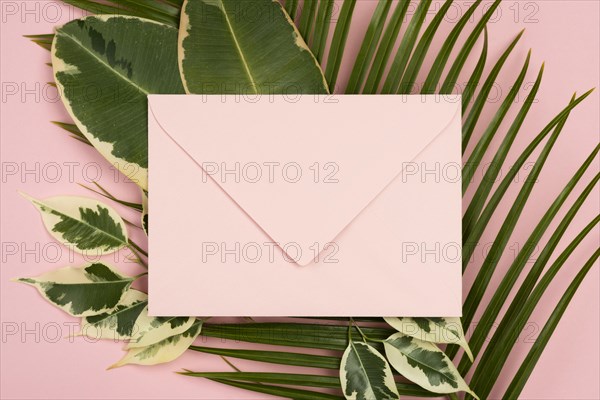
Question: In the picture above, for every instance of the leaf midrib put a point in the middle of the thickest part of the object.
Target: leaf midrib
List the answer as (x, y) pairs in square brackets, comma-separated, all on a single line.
[(125, 243), (451, 377), (239, 49), (127, 308), (81, 45), (362, 366)]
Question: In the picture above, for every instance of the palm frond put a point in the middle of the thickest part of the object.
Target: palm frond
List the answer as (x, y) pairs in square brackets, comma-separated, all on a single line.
[(522, 375)]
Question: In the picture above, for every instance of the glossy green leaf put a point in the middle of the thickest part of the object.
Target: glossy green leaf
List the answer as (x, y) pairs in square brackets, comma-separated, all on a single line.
[(218, 50), (85, 225), (156, 10), (82, 292), (424, 364), (105, 66), (365, 374)]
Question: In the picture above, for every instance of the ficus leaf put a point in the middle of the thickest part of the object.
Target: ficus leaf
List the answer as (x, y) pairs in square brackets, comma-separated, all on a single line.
[(434, 330), (82, 292), (365, 374), (118, 324), (152, 330), (104, 67), (164, 351), (248, 47), (86, 225), (424, 364)]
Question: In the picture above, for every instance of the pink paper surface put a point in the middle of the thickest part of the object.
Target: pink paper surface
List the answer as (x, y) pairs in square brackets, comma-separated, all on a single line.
[(255, 199), (38, 363)]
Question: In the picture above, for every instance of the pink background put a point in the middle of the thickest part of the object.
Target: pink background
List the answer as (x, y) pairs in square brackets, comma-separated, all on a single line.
[(38, 364)]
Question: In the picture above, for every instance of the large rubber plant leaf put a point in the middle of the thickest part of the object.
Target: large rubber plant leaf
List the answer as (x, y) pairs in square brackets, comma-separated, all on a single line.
[(104, 67), (244, 47)]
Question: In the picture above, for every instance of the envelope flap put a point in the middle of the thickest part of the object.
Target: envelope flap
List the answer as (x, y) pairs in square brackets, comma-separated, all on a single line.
[(302, 186)]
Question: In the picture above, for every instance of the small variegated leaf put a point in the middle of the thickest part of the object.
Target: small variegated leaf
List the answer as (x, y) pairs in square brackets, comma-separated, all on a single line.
[(366, 375), (82, 292), (435, 330), (424, 364), (145, 211), (154, 329), (120, 323), (86, 225), (164, 351)]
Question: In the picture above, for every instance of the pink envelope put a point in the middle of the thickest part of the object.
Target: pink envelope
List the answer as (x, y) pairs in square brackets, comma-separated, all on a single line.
[(305, 205)]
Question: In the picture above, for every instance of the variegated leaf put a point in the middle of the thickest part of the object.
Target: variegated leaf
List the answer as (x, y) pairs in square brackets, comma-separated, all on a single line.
[(366, 375), (424, 364), (82, 292), (104, 67), (86, 225), (435, 330), (120, 323), (247, 47), (164, 351), (154, 329)]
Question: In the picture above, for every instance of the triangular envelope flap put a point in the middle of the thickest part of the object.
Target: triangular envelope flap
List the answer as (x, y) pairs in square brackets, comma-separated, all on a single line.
[(302, 167)]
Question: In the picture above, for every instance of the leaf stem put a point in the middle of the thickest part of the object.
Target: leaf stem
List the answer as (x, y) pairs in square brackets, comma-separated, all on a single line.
[(137, 247), (365, 337)]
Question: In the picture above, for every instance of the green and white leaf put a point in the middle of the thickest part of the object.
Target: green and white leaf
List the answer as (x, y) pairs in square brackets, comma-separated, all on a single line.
[(247, 47), (120, 323), (152, 330), (365, 374), (145, 211), (164, 351), (435, 330), (424, 364), (104, 67), (86, 225), (82, 292)]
